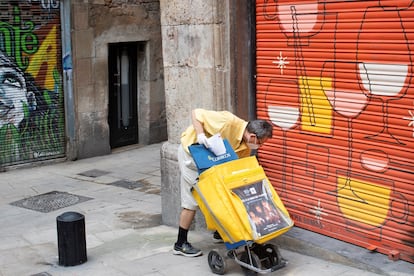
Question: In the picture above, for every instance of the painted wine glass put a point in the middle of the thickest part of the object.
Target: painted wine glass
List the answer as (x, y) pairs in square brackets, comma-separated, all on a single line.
[(385, 75)]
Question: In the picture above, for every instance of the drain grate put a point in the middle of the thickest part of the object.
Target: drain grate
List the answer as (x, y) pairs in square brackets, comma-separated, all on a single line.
[(49, 202), (93, 173)]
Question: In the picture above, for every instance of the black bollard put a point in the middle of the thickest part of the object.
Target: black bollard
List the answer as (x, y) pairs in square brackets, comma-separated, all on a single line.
[(71, 239)]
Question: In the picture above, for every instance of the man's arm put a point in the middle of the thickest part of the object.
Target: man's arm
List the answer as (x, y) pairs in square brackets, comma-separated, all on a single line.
[(199, 129), (198, 126)]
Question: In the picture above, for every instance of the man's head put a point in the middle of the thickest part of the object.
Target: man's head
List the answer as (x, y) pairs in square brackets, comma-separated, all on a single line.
[(257, 132)]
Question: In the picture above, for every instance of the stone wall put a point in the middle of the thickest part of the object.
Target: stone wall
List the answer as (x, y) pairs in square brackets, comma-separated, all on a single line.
[(95, 24), (196, 68)]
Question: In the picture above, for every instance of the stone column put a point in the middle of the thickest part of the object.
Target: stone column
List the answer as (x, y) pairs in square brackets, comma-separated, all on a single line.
[(196, 69)]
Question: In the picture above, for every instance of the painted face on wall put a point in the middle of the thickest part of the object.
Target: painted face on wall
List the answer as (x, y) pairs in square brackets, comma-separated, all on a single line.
[(13, 93)]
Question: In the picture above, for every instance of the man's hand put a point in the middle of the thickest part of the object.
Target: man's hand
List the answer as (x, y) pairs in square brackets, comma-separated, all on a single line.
[(202, 139)]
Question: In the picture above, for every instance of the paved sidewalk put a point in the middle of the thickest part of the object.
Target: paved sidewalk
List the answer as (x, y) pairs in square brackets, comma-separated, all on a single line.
[(119, 195)]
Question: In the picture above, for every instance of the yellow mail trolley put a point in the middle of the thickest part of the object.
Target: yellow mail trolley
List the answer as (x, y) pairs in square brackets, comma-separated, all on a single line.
[(239, 202)]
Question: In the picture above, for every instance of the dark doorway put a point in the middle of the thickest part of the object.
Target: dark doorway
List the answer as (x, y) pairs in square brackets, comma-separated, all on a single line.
[(123, 113)]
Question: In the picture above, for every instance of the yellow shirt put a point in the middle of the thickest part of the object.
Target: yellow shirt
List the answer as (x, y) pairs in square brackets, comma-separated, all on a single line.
[(227, 124)]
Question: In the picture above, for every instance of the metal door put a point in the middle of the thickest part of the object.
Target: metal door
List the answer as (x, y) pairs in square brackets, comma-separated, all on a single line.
[(32, 126), (123, 115)]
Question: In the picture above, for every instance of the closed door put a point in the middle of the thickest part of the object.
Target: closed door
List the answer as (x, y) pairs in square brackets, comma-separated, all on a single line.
[(123, 115)]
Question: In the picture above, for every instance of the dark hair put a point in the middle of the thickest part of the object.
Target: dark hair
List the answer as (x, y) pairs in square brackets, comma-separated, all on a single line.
[(263, 129)]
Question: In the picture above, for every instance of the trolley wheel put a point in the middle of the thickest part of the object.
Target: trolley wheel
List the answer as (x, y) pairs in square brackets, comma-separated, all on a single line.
[(270, 255), (255, 262), (216, 262)]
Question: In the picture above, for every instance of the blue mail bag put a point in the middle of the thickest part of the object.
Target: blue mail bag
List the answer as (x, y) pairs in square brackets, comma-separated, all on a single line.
[(205, 159)]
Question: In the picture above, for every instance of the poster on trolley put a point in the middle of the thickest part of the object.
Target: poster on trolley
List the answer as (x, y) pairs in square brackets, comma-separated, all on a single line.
[(264, 216)]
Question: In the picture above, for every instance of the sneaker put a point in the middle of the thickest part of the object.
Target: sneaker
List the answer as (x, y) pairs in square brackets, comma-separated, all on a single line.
[(217, 238), (187, 250)]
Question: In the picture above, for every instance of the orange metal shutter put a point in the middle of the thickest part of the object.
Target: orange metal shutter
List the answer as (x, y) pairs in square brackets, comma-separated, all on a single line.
[(335, 78)]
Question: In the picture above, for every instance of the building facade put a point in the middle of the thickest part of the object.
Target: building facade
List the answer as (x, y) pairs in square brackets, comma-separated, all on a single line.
[(79, 78)]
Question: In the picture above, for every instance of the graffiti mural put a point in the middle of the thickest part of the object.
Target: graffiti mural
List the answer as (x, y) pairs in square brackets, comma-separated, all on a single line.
[(335, 78), (31, 96)]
